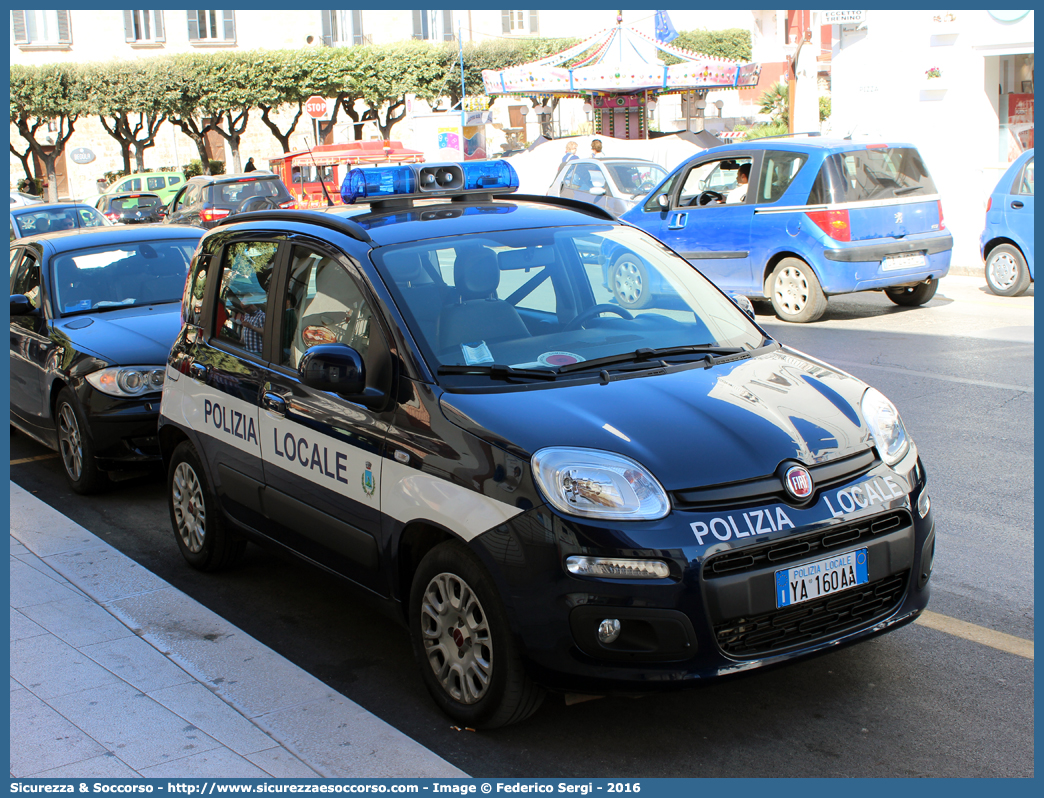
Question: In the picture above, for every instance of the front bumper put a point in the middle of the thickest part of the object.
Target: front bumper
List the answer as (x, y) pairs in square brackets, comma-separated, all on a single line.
[(716, 614), (123, 430)]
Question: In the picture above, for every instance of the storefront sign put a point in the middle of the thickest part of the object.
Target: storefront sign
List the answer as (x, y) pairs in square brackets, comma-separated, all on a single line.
[(81, 155), (843, 17)]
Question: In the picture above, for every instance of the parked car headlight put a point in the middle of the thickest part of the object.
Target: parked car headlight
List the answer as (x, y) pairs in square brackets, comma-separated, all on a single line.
[(128, 381), (597, 484), (886, 426)]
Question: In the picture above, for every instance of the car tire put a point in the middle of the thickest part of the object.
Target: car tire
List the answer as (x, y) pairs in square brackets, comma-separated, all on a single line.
[(912, 296), (795, 292), (1006, 271), (204, 538), (629, 282), (463, 645), (76, 447)]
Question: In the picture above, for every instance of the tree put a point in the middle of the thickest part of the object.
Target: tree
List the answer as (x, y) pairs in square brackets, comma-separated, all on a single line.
[(26, 161), (292, 81), (127, 98), (183, 101), (44, 97), (776, 103), (232, 84), (732, 44)]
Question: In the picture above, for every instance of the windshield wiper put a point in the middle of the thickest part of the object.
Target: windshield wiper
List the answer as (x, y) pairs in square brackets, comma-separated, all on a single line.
[(907, 190), (640, 355), (498, 371)]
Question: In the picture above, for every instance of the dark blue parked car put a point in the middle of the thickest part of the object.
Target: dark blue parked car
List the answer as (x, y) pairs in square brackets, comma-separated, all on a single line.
[(1007, 242), (817, 217), (93, 315)]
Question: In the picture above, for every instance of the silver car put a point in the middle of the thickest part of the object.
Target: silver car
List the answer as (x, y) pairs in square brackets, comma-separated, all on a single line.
[(615, 184)]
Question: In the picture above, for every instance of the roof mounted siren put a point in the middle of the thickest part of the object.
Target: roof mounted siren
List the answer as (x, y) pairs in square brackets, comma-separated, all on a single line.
[(399, 186)]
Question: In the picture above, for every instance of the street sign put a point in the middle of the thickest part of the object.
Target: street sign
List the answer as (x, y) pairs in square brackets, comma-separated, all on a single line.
[(81, 155), (317, 107), (843, 17)]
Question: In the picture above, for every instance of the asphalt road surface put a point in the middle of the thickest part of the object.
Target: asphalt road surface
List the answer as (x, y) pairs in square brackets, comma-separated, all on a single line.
[(953, 698)]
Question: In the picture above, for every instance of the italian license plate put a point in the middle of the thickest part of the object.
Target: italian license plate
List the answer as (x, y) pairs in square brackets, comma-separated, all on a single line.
[(820, 578), (907, 260)]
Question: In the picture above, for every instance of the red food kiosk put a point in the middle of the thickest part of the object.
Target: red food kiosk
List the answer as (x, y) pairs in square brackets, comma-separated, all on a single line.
[(305, 172)]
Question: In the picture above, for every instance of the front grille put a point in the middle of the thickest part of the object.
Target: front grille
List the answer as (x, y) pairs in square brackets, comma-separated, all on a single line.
[(812, 622), (769, 488), (779, 552)]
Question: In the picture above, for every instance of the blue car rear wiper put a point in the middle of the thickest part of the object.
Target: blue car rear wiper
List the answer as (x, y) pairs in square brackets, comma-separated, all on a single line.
[(498, 371), (641, 355)]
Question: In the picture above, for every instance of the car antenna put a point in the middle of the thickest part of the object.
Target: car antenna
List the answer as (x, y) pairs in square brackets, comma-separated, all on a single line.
[(329, 202)]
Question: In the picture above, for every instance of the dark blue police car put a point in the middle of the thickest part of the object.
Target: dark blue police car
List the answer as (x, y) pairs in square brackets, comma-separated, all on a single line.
[(435, 397)]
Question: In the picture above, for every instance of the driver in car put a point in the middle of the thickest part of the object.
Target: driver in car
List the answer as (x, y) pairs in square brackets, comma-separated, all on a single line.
[(739, 194)]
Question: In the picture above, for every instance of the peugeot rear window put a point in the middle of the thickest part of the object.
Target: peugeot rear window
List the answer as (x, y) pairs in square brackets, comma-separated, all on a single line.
[(871, 174)]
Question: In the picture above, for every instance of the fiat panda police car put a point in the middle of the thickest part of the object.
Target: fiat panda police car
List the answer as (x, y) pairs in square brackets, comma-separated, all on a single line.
[(432, 394)]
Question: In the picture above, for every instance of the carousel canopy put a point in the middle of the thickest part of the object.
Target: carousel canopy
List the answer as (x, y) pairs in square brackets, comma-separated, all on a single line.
[(620, 60)]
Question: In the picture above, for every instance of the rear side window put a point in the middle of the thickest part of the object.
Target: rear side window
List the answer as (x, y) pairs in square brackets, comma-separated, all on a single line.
[(154, 183), (778, 170), (1025, 186), (173, 181), (871, 174)]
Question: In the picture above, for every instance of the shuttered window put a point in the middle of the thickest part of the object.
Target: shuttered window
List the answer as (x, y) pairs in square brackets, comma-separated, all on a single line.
[(211, 26), (357, 28), (342, 28), (41, 27), (143, 26), (434, 25), (520, 22)]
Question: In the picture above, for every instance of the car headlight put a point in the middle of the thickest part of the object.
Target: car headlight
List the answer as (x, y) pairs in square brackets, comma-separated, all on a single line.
[(128, 381), (886, 426), (597, 484)]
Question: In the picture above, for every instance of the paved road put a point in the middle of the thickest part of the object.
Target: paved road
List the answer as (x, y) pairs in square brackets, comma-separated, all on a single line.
[(918, 702)]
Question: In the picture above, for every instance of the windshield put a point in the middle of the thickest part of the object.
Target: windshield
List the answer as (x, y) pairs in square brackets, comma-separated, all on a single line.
[(555, 297), (635, 178), (121, 275)]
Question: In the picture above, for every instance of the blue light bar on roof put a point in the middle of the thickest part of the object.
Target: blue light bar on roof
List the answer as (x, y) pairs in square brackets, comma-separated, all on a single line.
[(412, 181)]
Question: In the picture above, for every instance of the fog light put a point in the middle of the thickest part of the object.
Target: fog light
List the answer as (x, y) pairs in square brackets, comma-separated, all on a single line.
[(924, 504), (617, 568), (608, 630)]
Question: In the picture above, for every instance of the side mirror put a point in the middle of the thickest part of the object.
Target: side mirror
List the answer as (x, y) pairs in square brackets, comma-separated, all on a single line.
[(598, 191), (744, 304), (20, 305), (664, 202), (339, 369)]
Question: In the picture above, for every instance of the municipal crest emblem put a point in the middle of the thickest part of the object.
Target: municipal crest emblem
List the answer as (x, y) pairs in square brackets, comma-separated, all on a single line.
[(368, 483)]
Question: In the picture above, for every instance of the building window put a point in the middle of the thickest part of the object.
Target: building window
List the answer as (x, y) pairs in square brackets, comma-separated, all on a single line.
[(212, 26), (433, 25), (41, 27), (143, 26), (520, 22), (342, 28)]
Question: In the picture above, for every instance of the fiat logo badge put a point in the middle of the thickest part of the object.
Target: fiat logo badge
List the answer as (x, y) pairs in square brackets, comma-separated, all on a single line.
[(798, 482)]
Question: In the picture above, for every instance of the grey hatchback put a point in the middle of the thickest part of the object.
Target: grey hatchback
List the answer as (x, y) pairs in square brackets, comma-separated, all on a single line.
[(207, 199)]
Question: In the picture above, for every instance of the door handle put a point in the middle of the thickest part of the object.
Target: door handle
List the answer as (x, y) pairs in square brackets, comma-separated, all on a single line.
[(198, 371), (274, 403), (678, 221), (1016, 204)]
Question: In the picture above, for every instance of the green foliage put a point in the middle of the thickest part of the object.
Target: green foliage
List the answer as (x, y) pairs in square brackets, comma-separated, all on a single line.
[(732, 44), (112, 177), (824, 107), (763, 131), (194, 168), (776, 103)]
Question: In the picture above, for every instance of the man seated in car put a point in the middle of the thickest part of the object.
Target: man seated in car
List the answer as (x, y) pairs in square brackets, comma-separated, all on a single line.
[(739, 194)]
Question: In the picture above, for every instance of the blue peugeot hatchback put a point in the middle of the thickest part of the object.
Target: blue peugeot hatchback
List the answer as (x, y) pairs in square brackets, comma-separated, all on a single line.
[(816, 217), (1007, 242), (432, 395)]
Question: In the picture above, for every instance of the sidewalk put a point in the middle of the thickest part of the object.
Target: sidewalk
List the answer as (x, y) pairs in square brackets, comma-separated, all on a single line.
[(116, 674)]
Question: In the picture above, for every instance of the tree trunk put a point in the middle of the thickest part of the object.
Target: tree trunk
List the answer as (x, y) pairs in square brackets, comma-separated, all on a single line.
[(282, 138), (198, 135), (392, 120), (26, 161), (52, 175)]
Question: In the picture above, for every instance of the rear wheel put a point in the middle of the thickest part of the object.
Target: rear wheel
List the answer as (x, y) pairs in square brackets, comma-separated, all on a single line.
[(465, 650), (202, 535), (1006, 271), (795, 292), (76, 446), (912, 296)]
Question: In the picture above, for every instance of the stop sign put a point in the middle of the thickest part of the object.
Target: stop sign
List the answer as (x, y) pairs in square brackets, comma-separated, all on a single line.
[(316, 106)]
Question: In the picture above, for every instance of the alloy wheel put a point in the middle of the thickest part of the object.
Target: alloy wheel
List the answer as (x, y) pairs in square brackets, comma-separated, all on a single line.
[(70, 441), (457, 640), (190, 512), (628, 282)]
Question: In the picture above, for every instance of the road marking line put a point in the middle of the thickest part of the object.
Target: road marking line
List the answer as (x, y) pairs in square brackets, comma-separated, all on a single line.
[(34, 459), (977, 634), (911, 373)]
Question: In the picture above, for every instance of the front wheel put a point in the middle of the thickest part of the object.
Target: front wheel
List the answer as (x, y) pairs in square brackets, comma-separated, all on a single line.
[(462, 643), (795, 292), (629, 282), (76, 446), (1006, 271), (912, 296), (202, 535)]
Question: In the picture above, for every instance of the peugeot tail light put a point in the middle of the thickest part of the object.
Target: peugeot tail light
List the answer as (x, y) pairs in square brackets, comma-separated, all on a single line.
[(213, 214), (942, 223), (833, 223)]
